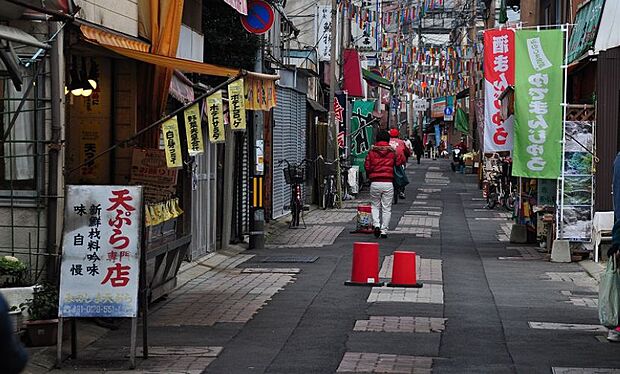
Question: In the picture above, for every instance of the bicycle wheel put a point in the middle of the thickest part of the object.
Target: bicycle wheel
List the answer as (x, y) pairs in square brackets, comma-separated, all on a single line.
[(510, 201), (491, 197), (324, 199), (294, 214)]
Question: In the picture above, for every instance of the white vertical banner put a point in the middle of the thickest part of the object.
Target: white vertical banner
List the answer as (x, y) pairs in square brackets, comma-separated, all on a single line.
[(322, 32), (100, 266)]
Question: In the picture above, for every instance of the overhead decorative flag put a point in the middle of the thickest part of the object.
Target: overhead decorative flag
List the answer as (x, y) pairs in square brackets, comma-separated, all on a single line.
[(172, 143), (215, 116), (236, 105), (260, 94), (499, 73), (538, 104), (193, 130)]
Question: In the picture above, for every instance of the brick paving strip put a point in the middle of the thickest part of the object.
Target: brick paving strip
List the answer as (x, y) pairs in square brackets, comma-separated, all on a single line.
[(364, 362), (401, 324), (430, 294), (579, 279), (428, 270), (311, 236), (560, 370), (220, 296), (566, 326)]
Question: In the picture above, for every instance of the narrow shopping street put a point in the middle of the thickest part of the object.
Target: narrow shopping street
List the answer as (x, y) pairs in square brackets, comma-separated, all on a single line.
[(487, 306)]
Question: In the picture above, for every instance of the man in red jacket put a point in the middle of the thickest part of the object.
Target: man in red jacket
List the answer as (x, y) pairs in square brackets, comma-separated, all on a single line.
[(380, 170)]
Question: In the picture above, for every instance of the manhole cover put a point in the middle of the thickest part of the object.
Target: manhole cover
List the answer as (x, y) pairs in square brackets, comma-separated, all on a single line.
[(289, 259)]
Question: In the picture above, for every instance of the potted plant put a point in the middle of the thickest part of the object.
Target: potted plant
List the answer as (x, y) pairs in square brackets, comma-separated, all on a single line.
[(42, 324), (12, 271), (16, 317)]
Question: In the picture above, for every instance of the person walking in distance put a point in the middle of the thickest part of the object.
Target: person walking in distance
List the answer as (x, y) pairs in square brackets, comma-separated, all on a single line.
[(401, 149), (379, 165), (418, 147)]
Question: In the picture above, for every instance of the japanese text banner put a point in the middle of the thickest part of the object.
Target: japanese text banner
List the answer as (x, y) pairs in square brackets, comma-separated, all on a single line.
[(236, 105), (172, 143), (538, 104), (193, 130), (100, 265), (499, 73), (216, 117)]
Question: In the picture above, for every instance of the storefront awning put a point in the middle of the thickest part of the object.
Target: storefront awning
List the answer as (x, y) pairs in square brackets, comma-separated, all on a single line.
[(377, 79), (138, 50)]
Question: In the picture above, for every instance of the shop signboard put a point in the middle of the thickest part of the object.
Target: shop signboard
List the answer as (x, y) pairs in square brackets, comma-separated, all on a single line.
[(216, 117), (149, 170), (577, 182), (340, 114), (437, 107), (499, 73), (236, 105), (538, 98), (172, 143), (193, 130), (584, 32), (322, 32), (361, 131), (100, 265)]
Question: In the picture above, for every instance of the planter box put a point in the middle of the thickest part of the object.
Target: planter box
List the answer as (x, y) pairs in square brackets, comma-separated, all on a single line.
[(17, 295), (16, 320), (42, 333)]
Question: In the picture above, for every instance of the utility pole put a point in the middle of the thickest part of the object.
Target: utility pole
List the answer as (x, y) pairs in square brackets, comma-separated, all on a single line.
[(472, 71), (333, 130), (420, 113)]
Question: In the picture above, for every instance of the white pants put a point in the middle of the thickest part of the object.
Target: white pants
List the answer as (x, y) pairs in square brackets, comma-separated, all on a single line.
[(381, 195)]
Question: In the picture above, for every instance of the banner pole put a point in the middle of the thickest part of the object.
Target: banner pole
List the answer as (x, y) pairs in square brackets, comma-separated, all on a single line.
[(564, 109)]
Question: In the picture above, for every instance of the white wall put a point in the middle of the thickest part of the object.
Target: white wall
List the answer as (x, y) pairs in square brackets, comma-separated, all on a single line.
[(118, 15)]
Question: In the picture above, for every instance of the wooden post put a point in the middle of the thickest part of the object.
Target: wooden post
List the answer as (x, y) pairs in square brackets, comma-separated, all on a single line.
[(59, 343)]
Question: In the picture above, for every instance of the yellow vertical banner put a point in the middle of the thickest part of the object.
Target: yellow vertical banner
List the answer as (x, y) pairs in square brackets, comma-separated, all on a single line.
[(193, 130), (172, 143), (215, 115), (236, 105)]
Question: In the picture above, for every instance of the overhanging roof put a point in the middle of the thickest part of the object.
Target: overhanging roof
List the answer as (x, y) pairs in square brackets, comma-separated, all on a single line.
[(16, 35), (316, 106), (376, 78)]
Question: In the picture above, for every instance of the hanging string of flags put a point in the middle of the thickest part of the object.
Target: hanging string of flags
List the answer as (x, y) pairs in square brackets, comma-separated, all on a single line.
[(248, 94)]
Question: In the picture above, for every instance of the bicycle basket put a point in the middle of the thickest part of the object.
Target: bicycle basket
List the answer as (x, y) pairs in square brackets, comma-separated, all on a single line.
[(294, 174)]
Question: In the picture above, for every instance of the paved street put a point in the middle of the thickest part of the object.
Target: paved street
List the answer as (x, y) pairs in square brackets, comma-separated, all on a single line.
[(487, 306)]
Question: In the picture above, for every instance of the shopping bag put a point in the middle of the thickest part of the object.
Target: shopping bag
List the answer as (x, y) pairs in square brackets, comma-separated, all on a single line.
[(609, 295), (400, 177)]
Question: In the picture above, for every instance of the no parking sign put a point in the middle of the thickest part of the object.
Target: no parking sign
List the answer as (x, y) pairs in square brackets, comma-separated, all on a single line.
[(260, 17)]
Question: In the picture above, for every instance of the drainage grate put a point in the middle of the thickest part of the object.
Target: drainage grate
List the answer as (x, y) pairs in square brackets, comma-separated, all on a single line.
[(289, 259)]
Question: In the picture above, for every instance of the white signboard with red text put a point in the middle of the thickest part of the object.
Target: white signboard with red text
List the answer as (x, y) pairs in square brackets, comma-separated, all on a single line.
[(499, 73), (100, 266)]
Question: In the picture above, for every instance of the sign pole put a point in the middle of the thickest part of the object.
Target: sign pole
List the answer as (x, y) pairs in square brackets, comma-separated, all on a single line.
[(132, 345), (59, 343), (144, 297)]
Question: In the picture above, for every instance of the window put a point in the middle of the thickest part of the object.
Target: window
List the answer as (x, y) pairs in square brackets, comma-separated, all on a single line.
[(17, 165)]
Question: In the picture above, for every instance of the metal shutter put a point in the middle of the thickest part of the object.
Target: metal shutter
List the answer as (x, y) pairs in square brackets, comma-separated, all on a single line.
[(289, 142)]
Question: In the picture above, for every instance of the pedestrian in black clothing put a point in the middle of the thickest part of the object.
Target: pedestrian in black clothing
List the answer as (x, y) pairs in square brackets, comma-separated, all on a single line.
[(13, 357), (418, 147)]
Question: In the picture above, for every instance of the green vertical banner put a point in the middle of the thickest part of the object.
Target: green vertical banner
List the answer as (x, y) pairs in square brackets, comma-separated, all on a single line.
[(538, 104), (361, 131)]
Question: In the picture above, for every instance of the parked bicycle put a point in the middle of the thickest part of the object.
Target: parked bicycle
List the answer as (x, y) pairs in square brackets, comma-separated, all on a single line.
[(501, 189), (330, 196), (295, 176)]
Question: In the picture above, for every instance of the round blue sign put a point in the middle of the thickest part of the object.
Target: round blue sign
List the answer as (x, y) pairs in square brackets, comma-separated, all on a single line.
[(448, 111), (260, 17)]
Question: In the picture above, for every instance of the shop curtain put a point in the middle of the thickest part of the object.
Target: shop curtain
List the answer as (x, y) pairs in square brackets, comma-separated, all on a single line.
[(160, 22)]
